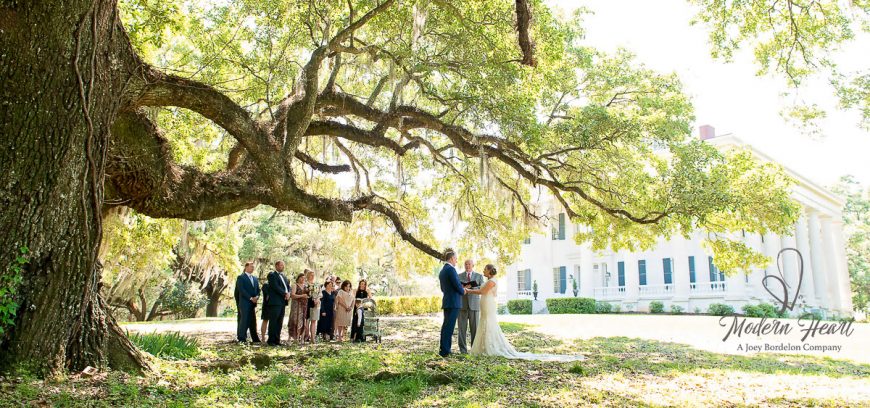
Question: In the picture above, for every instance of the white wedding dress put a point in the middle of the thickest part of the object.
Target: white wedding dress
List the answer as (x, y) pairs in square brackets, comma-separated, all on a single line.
[(489, 339)]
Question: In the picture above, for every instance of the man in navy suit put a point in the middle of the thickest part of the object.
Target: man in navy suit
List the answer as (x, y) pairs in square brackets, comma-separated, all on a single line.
[(451, 302), (277, 303), (247, 294)]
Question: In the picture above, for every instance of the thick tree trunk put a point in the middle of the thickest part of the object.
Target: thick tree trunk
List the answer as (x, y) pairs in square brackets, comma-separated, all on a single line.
[(60, 89), (214, 302)]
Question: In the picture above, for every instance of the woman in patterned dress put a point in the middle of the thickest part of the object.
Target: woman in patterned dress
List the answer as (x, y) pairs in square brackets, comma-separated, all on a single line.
[(298, 307)]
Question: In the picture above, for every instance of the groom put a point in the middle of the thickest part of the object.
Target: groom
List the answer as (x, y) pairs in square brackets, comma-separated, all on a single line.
[(451, 302)]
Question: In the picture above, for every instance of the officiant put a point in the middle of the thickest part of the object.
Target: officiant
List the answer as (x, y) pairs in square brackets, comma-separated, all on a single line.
[(469, 313)]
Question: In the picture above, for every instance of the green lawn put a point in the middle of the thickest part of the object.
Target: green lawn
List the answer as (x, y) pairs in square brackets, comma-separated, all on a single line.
[(405, 371)]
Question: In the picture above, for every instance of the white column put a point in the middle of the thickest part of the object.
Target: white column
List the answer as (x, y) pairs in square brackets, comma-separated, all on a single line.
[(757, 274), (817, 259), (632, 281), (790, 263), (587, 279), (772, 245), (807, 289), (681, 272), (831, 267), (842, 267)]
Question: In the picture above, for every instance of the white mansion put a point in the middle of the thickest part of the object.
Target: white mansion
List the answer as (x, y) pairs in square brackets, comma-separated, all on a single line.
[(680, 271)]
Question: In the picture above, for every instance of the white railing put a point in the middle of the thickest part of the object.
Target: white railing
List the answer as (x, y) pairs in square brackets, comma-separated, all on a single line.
[(709, 287), (609, 292), (656, 290), (524, 293)]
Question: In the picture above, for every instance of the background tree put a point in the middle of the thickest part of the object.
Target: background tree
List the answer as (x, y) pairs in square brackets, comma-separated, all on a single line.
[(331, 109), (856, 219), (795, 40)]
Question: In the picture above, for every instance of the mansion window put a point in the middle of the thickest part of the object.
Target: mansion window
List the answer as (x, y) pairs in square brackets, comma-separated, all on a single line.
[(641, 271), (691, 269), (524, 280), (715, 274), (668, 270), (620, 271), (560, 283), (559, 228)]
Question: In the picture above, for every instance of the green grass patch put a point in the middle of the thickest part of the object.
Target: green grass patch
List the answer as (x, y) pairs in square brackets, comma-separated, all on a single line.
[(171, 345)]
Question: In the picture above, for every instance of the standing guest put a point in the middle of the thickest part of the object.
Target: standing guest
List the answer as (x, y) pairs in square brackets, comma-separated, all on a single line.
[(356, 328), (280, 294), (298, 305), (343, 309), (338, 285), (265, 313), (362, 290), (314, 296), (327, 311), (247, 293)]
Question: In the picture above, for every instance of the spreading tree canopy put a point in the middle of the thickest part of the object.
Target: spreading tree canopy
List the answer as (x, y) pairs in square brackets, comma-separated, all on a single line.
[(335, 110)]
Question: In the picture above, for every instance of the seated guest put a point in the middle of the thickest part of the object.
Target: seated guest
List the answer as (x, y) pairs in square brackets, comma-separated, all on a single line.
[(247, 293), (343, 309), (327, 312), (356, 329)]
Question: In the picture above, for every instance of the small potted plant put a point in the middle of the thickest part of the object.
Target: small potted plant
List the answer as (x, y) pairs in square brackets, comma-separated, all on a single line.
[(535, 289), (574, 285)]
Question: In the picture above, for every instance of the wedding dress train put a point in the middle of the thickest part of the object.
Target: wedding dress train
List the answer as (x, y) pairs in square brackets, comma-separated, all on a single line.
[(489, 339)]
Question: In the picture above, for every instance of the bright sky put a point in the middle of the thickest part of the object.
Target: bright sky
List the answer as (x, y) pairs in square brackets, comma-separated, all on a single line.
[(729, 96)]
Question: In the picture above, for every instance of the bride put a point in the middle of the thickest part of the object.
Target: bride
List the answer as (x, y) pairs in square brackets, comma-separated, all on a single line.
[(489, 339)]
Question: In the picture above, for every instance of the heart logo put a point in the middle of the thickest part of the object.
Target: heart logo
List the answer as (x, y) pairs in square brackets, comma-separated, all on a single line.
[(785, 301)]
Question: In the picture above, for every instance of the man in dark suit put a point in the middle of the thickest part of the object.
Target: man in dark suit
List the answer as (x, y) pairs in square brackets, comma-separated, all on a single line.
[(247, 294), (280, 293), (451, 302)]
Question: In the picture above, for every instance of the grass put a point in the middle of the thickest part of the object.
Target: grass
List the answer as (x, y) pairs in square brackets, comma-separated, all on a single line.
[(170, 345), (405, 371)]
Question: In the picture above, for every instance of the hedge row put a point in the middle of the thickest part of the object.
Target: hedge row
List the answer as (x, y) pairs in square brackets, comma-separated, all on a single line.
[(408, 305), (520, 306), (576, 305)]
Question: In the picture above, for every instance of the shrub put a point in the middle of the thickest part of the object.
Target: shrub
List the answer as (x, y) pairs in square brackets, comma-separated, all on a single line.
[(172, 345), (812, 315), (520, 306), (571, 305), (676, 309), (502, 309), (408, 305), (603, 307), (184, 299), (762, 310), (617, 309), (656, 307), (720, 309)]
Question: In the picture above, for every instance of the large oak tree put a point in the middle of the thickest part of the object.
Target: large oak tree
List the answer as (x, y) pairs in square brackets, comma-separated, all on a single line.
[(333, 109)]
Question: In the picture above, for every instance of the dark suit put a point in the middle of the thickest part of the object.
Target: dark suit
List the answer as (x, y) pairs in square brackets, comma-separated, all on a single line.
[(278, 286), (247, 286), (451, 302)]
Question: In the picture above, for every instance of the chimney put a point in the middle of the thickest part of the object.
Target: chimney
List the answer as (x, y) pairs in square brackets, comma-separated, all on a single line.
[(707, 132)]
